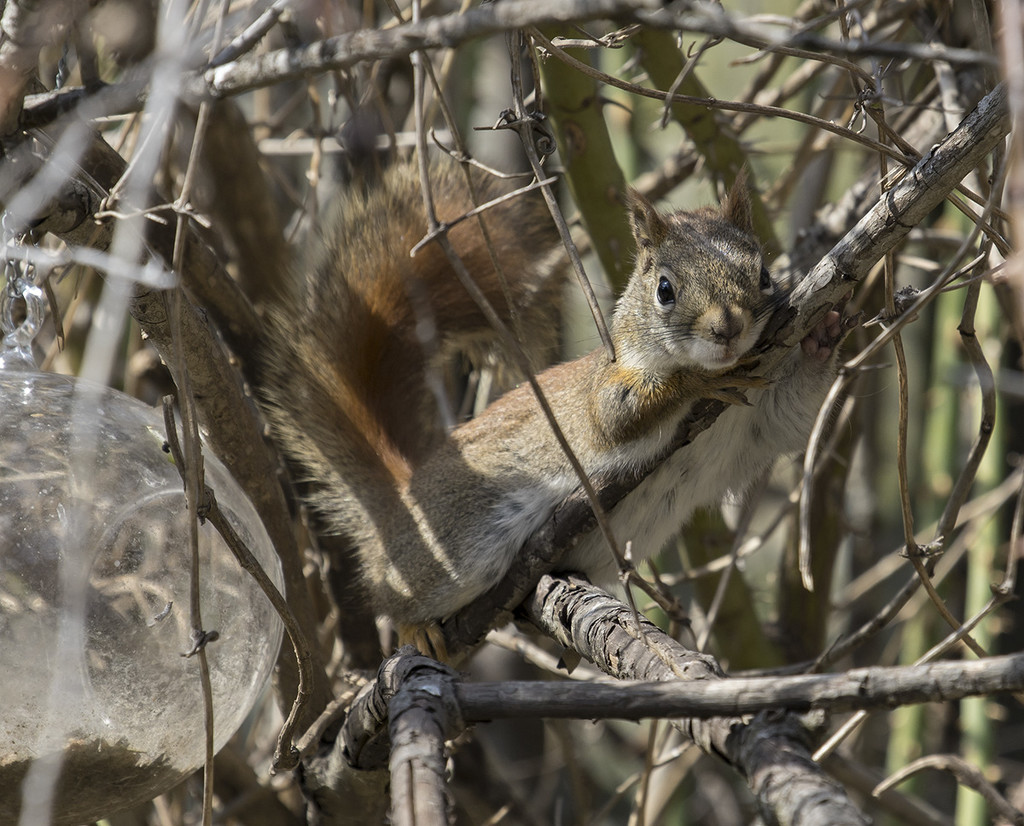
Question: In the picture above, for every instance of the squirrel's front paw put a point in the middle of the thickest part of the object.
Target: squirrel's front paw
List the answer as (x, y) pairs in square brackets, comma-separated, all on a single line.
[(821, 342)]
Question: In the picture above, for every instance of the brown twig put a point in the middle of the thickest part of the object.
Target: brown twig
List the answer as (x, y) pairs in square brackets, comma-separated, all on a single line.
[(191, 470), (286, 755), (965, 774)]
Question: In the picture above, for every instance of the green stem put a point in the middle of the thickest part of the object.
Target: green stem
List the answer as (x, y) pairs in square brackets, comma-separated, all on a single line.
[(725, 156), (576, 111)]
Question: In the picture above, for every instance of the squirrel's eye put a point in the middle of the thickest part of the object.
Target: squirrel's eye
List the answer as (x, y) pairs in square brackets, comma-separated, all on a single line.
[(766, 279), (666, 294)]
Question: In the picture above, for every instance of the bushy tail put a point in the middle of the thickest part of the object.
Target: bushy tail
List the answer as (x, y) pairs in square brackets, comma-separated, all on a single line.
[(351, 341)]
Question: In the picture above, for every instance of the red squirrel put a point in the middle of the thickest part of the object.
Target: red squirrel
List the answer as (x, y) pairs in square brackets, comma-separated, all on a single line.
[(437, 516)]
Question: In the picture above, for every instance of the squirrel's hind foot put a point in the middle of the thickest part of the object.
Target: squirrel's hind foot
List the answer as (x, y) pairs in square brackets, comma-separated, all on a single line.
[(426, 637)]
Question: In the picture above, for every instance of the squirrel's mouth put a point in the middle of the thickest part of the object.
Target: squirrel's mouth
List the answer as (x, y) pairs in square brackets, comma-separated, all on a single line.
[(724, 361), (719, 350), (712, 355)]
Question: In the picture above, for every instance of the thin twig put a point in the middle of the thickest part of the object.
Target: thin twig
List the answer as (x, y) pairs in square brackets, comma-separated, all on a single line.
[(725, 105), (286, 756), (504, 334), (527, 138), (191, 476), (479, 210), (524, 125), (252, 35), (965, 774), (958, 634)]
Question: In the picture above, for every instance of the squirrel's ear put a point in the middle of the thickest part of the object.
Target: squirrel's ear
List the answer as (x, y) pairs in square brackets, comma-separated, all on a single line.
[(649, 228), (736, 206)]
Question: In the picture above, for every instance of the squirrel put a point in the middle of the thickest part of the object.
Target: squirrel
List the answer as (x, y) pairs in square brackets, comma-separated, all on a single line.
[(437, 515)]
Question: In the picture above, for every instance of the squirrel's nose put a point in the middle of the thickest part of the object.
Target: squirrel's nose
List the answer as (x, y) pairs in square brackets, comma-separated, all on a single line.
[(728, 325)]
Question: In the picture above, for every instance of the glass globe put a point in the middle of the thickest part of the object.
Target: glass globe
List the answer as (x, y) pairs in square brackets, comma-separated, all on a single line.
[(99, 710)]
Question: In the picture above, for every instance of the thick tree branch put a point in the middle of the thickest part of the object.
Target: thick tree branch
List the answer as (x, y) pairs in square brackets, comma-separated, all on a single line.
[(345, 782), (422, 715), (771, 751)]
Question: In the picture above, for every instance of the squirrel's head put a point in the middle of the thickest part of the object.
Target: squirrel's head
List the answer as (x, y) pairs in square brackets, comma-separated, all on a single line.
[(700, 293)]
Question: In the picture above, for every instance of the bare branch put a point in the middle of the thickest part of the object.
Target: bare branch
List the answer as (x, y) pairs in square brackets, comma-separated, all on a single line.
[(966, 774), (770, 752), (859, 688), (907, 203)]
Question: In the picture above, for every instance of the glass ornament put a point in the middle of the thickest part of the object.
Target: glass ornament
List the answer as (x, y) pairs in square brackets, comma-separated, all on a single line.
[(99, 710)]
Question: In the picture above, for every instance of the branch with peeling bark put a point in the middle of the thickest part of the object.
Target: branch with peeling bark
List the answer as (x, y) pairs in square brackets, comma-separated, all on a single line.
[(772, 751)]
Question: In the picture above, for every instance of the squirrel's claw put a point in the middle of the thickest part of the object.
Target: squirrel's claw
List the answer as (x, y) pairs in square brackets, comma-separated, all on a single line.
[(729, 395), (757, 382), (822, 340), (729, 388)]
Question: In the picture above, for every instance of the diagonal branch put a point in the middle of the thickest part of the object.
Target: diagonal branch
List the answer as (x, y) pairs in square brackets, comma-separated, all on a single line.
[(884, 226), (906, 205)]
